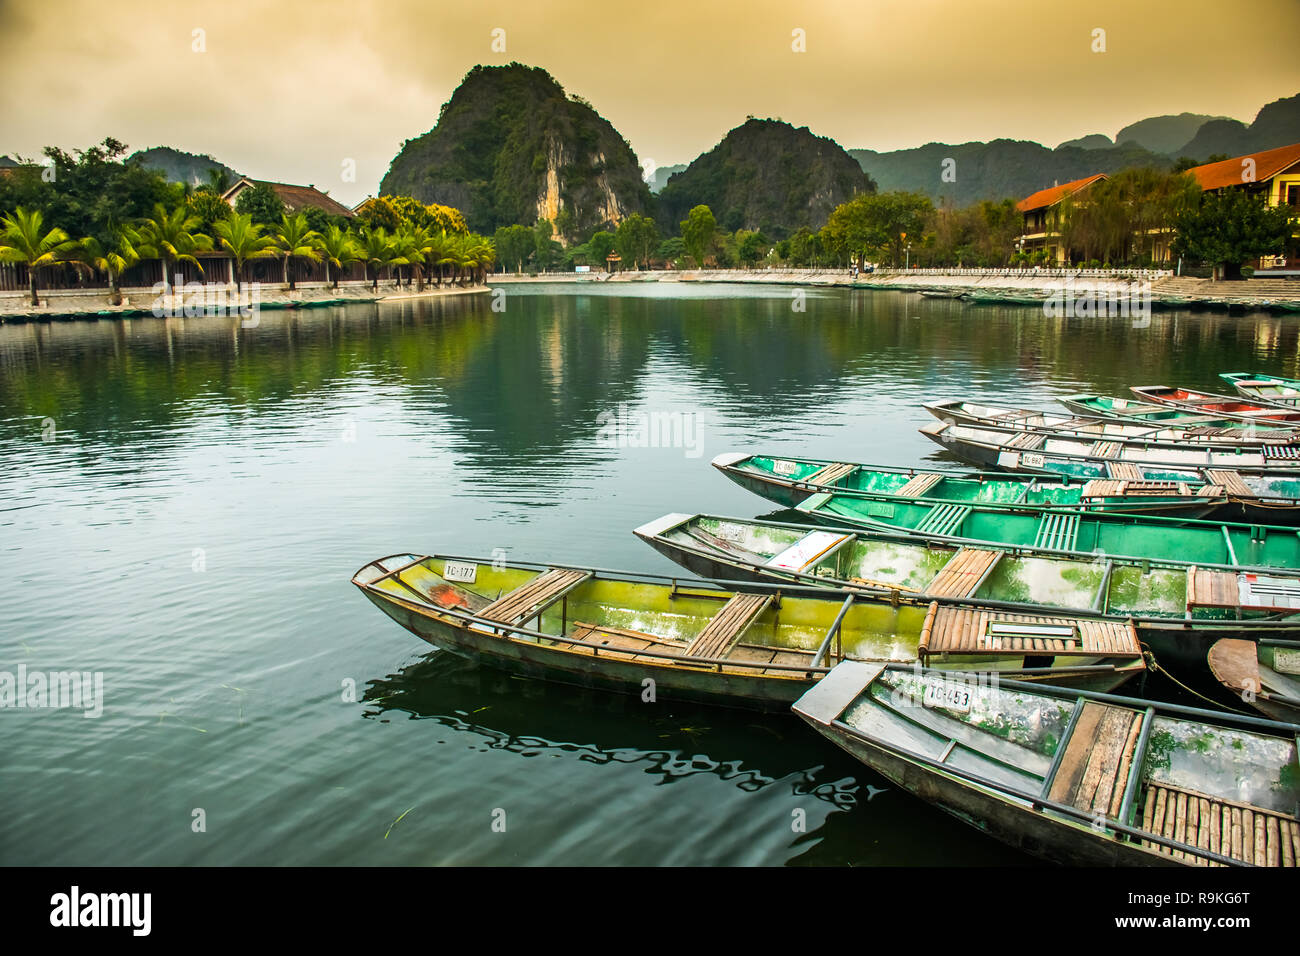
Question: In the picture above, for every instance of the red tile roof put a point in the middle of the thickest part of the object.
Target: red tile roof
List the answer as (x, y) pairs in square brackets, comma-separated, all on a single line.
[(1053, 195), (296, 198), (1268, 164)]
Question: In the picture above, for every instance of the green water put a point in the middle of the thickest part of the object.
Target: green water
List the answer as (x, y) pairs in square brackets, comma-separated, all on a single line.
[(182, 503)]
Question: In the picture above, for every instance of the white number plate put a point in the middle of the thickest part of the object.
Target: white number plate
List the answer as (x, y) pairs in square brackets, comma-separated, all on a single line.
[(1031, 460), (784, 467), (948, 696), (455, 571), (1286, 660)]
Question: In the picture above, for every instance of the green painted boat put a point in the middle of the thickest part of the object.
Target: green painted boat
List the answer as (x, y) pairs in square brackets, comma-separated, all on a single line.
[(1264, 675), (1129, 409), (1271, 389), (1073, 777), (1194, 429), (1177, 610), (678, 639), (1085, 457), (789, 481), (1186, 541)]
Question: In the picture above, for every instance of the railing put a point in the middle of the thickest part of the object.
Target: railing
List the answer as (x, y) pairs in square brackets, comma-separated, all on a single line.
[(1030, 271)]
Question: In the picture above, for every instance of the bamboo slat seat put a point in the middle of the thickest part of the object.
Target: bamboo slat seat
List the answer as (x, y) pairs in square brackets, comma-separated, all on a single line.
[(529, 599), (1122, 469), (918, 485), (1241, 831), (1230, 480), (965, 630), (726, 627), (1104, 449), (1027, 441), (962, 575), (829, 474)]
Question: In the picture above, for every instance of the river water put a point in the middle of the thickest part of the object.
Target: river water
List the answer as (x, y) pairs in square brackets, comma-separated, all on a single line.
[(183, 502)]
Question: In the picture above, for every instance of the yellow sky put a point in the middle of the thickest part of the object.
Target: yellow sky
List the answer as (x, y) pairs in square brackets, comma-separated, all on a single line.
[(291, 90)]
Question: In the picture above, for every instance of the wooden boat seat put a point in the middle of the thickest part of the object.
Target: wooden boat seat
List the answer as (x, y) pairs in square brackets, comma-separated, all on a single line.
[(963, 573), (1105, 449), (1094, 770), (1112, 488), (1241, 831), (808, 550), (1230, 480), (965, 630), (1027, 441), (532, 598), (726, 627), (1211, 491), (918, 485), (1206, 588), (829, 474), (1122, 469)]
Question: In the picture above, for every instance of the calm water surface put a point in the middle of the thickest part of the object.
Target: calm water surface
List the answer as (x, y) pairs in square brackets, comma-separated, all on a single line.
[(183, 502)]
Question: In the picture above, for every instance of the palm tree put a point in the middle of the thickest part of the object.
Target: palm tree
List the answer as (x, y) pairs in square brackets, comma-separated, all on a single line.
[(339, 249), (21, 240), (113, 258), (169, 236), (377, 249), (297, 241), (242, 239)]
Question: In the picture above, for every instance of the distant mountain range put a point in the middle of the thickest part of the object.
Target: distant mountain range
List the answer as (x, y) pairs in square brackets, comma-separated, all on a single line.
[(1013, 169), (662, 174)]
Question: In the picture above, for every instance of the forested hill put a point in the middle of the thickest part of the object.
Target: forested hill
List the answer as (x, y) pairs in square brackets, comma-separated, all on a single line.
[(510, 147), (767, 175)]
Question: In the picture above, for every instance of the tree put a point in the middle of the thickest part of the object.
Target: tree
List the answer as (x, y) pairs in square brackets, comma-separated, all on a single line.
[(339, 249), (209, 208), (23, 239), (1228, 227), (112, 258), (242, 239), (262, 203), (751, 246), (514, 244), (599, 246), (297, 241), (637, 237), (671, 250), (698, 231), (172, 237), (878, 224), (376, 248), (545, 249)]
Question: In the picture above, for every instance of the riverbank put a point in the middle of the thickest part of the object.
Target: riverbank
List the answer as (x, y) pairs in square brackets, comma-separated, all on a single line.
[(138, 302), (1011, 286)]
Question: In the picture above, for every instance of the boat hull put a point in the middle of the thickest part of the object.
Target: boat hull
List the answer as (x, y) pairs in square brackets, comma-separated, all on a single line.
[(1030, 831)]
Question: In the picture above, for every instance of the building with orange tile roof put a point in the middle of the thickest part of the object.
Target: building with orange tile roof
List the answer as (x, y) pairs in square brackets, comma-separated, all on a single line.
[(1042, 218)]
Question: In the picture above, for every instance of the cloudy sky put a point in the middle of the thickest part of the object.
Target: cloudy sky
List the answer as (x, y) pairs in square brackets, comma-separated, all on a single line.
[(292, 90)]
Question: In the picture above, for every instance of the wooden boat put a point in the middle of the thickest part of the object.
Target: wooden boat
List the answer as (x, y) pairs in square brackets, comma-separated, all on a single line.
[(1178, 610), (1194, 429), (1263, 674), (1265, 389), (1084, 457), (1187, 541), (1130, 409), (1208, 403), (789, 481), (760, 648), (942, 293), (1073, 777)]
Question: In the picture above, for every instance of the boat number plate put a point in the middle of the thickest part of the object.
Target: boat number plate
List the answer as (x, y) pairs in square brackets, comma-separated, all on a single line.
[(455, 571), (1031, 461), (1286, 661), (955, 697), (784, 467)]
